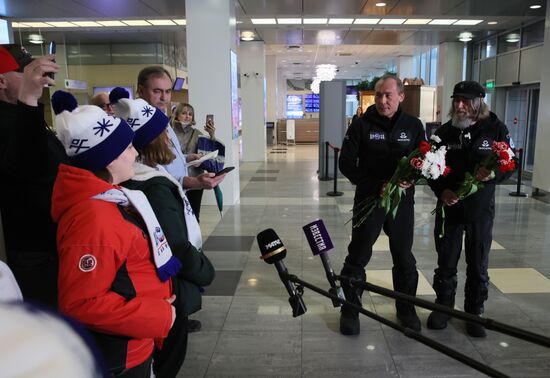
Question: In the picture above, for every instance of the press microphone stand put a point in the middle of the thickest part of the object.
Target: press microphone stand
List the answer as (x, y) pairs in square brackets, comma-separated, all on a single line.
[(488, 323), (485, 322)]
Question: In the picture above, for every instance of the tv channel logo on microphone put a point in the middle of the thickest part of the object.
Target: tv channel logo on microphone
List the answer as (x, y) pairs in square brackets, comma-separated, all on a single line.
[(317, 237)]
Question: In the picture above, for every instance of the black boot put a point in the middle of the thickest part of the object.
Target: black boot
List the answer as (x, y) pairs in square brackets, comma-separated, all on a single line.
[(476, 329), (439, 320), (406, 312), (349, 317)]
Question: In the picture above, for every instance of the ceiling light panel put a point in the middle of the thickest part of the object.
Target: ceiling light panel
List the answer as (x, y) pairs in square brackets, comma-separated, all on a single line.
[(417, 21), (111, 23), (366, 21), (161, 22), (87, 24), (38, 25), (340, 21), (315, 21), (443, 21), (180, 22), (61, 24), (289, 21), (468, 22), (391, 21), (263, 21), (136, 22)]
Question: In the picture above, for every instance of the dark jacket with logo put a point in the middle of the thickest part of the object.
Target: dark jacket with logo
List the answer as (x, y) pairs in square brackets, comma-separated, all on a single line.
[(372, 147), (465, 150)]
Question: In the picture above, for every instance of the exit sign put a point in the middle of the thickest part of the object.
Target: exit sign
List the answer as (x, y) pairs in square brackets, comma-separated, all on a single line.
[(489, 84)]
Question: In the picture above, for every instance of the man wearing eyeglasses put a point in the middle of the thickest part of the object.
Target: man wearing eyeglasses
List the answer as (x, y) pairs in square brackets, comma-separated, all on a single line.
[(101, 99)]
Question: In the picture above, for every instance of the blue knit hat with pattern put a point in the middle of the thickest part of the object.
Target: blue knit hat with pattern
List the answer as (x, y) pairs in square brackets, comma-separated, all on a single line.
[(92, 138), (146, 120)]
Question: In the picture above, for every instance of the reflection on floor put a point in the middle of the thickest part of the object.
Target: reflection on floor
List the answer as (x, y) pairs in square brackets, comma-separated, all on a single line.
[(248, 329)]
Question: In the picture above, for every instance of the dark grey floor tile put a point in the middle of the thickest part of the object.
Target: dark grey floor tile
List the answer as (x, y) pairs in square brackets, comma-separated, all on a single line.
[(228, 243), (256, 354), (258, 179), (225, 283), (268, 171)]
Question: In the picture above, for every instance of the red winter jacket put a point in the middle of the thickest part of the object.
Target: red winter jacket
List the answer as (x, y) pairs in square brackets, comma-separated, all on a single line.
[(107, 277)]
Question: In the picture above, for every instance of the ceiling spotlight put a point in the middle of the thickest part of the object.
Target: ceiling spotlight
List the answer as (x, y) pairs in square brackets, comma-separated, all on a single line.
[(535, 6), (37, 39), (492, 23), (380, 4), (247, 36), (465, 36), (512, 38)]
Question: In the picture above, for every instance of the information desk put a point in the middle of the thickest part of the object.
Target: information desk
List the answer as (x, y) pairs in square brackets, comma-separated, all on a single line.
[(306, 130)]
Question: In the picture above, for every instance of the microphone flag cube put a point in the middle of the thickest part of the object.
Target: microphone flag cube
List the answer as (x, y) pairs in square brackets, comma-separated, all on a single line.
[(317, 237)]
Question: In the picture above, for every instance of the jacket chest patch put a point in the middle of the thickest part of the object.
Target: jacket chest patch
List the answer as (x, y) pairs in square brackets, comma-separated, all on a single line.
[(87, 263), (377, 136), (484, 144), (403, 137)]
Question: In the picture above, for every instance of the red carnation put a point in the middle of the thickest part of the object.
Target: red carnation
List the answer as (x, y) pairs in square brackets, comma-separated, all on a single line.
[(417, 163), (504, 155), (446, 171), (424, 147)]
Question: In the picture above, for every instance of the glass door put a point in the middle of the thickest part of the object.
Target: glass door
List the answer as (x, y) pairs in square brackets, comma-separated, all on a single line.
[(521, 120)]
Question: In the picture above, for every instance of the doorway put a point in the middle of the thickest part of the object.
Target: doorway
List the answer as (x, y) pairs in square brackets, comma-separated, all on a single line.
[(522, 106)]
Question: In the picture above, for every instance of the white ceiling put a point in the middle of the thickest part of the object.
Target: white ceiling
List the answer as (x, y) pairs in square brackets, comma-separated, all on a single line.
[(372, 47)]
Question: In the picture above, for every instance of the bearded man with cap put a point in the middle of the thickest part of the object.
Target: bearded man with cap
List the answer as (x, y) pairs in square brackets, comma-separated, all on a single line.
[(115, 264), (30, 154), (468, 136)]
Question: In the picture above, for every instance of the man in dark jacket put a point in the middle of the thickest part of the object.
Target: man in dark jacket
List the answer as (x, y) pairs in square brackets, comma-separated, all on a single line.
[(371, 149), (29, 157), (468, 137)]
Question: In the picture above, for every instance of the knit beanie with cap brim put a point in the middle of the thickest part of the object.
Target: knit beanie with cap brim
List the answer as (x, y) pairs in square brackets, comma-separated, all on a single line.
[(92, 138), (147, 121)]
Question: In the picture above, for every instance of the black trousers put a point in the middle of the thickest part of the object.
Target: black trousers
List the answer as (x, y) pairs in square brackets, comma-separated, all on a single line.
[(141, 371), (400, 232), (477, 244), (195, 199), (168, 360)]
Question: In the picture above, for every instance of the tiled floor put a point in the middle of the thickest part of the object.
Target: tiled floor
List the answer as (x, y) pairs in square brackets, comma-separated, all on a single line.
[(248, 329)]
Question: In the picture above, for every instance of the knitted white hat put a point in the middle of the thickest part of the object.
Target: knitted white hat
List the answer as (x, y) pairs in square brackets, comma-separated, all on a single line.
[(91, 137), (146, 120)]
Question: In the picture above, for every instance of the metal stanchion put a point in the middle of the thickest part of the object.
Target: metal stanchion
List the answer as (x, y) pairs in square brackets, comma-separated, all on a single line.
[(518, 192), (335, 192), (326, 177)]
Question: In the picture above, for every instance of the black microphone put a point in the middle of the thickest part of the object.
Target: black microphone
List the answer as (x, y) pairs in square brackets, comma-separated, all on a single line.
[(273, 252), (319, 242)]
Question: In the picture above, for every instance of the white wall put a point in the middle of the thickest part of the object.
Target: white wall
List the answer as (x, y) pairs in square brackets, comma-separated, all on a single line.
[(252, 63)]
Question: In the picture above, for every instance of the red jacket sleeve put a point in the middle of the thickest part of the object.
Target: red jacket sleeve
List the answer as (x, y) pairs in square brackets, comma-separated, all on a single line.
[(86, 273)]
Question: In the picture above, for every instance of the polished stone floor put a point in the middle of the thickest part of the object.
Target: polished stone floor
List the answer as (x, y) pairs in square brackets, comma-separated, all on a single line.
[(248, 329)]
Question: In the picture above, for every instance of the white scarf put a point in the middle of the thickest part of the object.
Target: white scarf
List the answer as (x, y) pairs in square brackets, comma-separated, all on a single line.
[(167, 265), (144, 173)]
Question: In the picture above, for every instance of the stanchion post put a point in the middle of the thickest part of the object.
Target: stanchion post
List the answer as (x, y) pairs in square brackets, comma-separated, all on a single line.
[(518, 192), (335, 192), (326, 177)]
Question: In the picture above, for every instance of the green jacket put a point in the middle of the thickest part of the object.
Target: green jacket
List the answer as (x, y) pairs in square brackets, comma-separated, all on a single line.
[(197, 270)]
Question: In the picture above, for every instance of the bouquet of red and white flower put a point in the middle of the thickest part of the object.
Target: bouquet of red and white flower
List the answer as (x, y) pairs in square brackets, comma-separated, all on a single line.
[(501, 158), (425, 162)]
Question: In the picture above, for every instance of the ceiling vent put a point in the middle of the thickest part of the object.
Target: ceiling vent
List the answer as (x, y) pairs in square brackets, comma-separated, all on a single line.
[(293, 47), (344, 54)]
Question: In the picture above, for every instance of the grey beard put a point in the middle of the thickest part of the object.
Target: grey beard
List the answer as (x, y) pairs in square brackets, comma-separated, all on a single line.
[(460, 122)]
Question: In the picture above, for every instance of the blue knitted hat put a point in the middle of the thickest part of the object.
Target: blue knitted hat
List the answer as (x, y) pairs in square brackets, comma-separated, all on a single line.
[(92, 138), (146, 120)]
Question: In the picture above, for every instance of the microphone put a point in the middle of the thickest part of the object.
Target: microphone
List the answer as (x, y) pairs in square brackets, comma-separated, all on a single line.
[(319, 242), (273, 252)]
